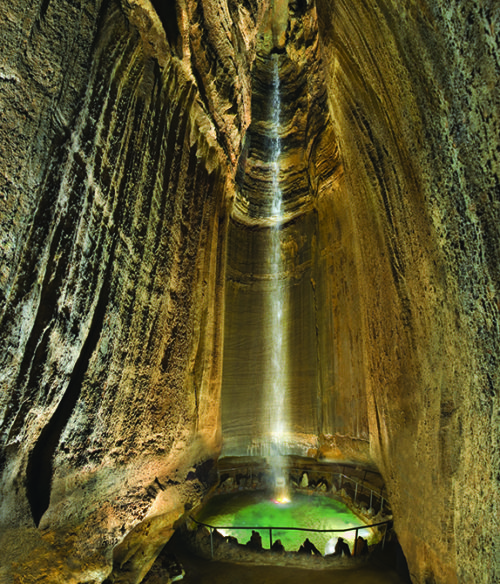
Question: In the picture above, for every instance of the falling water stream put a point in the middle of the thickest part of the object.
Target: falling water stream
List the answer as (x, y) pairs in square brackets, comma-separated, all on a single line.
[(277, 404)]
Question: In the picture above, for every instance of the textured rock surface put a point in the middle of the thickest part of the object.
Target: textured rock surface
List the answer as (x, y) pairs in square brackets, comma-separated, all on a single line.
[(114, 169), (414, 98), (324, 384), (119, 142)]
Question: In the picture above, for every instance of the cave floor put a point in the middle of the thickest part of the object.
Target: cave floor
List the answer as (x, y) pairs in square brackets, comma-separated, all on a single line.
[(201, 571), (223, 573)]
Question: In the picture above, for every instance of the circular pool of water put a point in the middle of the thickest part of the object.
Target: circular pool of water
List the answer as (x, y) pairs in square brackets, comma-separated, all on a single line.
[(257, 509)]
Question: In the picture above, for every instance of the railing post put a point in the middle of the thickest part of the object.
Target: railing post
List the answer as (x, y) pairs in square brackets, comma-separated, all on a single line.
[(355, 529)]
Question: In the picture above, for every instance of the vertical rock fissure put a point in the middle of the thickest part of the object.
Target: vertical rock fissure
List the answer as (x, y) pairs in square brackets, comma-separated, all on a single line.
[(39, 469), (275, 380)]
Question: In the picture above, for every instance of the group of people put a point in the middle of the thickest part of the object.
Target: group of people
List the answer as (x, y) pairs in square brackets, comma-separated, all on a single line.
[(308, 548)]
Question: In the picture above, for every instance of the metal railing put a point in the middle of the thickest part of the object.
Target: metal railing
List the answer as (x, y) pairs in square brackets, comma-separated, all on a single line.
[(359, 487), (270, 529)]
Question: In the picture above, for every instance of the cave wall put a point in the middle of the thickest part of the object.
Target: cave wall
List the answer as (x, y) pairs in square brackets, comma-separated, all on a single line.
[(323, 386), (116, 156), (413, 96)]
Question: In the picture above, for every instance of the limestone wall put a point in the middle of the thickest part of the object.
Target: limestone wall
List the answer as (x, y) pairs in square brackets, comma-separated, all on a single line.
[(414, 104), (116, 155)]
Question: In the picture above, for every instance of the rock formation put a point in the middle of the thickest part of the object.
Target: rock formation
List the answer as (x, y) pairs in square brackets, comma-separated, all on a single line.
[(415, 107), (132, 158), (115, 162)]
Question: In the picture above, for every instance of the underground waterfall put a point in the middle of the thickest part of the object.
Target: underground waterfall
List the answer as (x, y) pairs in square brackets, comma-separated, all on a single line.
[(281, 487), (277, 400), (272, 494), (136, 149)]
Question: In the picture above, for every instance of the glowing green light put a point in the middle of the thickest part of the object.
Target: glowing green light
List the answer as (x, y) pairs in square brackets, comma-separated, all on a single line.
[(257, 510)]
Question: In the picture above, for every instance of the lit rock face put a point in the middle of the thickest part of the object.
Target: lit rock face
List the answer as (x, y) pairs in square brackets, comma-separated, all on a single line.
[(114, 166), (413, 90)]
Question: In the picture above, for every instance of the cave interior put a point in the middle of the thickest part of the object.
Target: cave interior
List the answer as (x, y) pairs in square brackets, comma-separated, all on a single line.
[(137, 177)]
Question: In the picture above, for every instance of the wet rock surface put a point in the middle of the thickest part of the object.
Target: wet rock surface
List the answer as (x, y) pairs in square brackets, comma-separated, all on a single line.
[(323, 381)]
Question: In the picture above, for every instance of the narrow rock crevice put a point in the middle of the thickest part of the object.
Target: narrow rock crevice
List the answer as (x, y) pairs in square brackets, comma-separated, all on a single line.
[(167, 12), (39, 469)]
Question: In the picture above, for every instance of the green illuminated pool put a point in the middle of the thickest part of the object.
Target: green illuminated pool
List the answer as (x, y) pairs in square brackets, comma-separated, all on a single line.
[(254, 509)]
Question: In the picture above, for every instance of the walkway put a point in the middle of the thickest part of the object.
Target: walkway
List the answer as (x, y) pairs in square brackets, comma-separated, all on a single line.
[(200, 571)]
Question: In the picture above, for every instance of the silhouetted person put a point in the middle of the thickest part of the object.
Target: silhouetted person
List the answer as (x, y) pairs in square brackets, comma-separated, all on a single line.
[(278, 546), (361, 547), (309, 548), (342, 547), (255, 542)]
